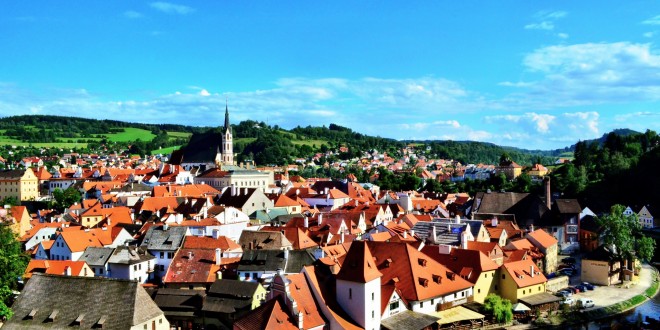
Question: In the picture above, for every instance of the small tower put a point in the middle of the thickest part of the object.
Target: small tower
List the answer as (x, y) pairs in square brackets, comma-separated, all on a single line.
[(227, 141), (358, 286)]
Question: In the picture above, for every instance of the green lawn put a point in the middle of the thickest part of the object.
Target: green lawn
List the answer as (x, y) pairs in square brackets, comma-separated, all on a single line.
[(165, 151), (310, 143), (177, 135), (245, 140), (131, 134)]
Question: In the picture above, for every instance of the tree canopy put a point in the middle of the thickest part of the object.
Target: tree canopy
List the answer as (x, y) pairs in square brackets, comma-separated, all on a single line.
[(501, 308), (12, 265), (625, 232)]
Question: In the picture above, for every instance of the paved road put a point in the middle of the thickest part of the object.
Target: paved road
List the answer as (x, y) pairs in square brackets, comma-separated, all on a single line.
[(605, 296)]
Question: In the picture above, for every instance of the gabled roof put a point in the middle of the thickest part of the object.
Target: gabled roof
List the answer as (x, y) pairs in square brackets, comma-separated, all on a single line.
[(273, 314), (164, 238), (117, 304), (302, 295), (568, 206), (359, 265), (520, 273), (96, 256), (54, 267), (298, 238), (460, 260), (192, 266), (542, 237), (223, 243), (266, 240), (79, 240)]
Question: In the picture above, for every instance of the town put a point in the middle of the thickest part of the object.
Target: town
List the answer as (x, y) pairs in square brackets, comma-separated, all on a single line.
[(196, 240)]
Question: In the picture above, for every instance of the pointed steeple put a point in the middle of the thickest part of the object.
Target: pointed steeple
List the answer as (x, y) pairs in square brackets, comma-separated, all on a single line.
[(359, 265), (227, 126)]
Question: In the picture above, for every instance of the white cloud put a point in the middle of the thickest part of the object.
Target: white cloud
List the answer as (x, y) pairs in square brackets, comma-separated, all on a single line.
[(544, 20), (545, 25), (652, 21), (204, 92), (591, 73), (562, 35), (132, 14), (171, 8), (648, 34), (540, 123)]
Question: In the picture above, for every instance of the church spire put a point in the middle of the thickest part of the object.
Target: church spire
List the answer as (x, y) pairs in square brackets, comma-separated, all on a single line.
[(227, 126)]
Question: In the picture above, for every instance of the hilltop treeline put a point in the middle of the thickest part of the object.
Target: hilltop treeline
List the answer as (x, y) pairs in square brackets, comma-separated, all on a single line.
[(620, 170)]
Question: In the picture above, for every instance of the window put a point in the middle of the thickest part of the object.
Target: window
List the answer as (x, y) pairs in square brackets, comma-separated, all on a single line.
[(503, 276), (478, 290), (170, 255), (394, 305), (539, 288), (421, 304), (162, 255), (523, 291), (372, 314), (350, 293), (101, 271), (373, 296), (495, 287)]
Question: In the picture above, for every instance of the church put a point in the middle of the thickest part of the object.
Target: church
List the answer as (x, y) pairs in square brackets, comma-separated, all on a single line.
[(208, 150), (209, 157)]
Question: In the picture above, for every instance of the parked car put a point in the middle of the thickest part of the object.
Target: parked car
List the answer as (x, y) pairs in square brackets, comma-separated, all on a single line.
[(567, 272), (564, 294), (585, 303), (567, 301), (568, 260), (572, 289), (588, 285), (581, 287), (567, 266)]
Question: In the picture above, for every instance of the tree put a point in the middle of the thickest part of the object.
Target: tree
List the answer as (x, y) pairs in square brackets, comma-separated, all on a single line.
[(501, 309), (66, 198), (12, 263), (625, 232)]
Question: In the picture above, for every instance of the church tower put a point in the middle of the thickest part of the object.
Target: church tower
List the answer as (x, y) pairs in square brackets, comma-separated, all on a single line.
[(227, 141)]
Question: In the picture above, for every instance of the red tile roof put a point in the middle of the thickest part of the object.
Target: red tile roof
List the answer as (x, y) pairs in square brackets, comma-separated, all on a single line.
[(359, 265), (270, 315), (520, 272), (546, 240)]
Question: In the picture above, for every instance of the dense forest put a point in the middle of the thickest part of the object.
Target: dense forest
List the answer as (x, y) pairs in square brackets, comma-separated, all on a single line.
[(622, 169)]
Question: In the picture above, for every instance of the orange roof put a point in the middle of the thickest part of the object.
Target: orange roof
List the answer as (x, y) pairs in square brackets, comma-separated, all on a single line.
[(467, 263), (270, 315), (359, 265), (55, 267), (298, 238), (546, 240), (284, 201), (416, 275), (194, 266), (301, 293), (522, 244), (336, 194), (223, 243), (79, 240), (520, 272)]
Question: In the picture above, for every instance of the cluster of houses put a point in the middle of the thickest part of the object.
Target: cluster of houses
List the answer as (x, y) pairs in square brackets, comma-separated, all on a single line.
[(316, 254), (190, 245)]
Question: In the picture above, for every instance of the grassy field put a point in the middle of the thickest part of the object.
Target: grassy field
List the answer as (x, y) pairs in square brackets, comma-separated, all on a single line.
[(165, 151), (131, 134), (177, 135), (245, 140), (310, 143)]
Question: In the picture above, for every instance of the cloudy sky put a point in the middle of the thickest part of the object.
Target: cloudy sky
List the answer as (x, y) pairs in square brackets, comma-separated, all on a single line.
[(530, 74)]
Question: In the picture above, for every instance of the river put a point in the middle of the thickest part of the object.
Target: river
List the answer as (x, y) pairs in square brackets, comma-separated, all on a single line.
[(628, 319)]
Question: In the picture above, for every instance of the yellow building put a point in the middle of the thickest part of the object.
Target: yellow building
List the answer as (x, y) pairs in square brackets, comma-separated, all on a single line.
[(20, 220), (21, 184), (510, 169), (521, 279), (538, 170)]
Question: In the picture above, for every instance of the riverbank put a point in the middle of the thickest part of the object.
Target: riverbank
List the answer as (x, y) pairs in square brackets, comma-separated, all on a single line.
[(647, 287)]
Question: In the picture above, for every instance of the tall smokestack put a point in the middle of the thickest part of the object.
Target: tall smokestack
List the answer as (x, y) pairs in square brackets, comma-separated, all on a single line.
[(548, 201)]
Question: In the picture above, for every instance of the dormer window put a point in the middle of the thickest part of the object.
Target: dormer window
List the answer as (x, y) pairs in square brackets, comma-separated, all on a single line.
[(422, 262), (52, 316), (437, 279), (423, 282)]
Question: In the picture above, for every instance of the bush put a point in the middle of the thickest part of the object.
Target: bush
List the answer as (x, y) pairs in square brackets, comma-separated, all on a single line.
[(501, 309)]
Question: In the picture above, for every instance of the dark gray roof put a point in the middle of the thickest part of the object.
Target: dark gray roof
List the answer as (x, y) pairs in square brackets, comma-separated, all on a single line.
[(179, 300), (11, 174), (528, 209), (539, 299), (409, 320), (234, 288), (120, 304), (229, 296), (475, 225), (272, 260), (164, 239), (96, 256), (129, 255), (238, 200), (568, 206)]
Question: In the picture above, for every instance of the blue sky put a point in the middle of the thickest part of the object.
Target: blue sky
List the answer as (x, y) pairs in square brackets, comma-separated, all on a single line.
[(530, 74)]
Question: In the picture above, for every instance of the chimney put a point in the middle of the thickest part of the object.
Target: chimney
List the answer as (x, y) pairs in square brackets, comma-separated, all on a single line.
[(405, 234), (546, 182), (412, 233), (233, 189), (494, 222), (190, 255), (464, 240), (320, 218), (300, 320), (67, 271), (342, 237), (218, 256), (109, 221), (306, 222), (435, 235), (245, 191), (286, 254), (531, 270)]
